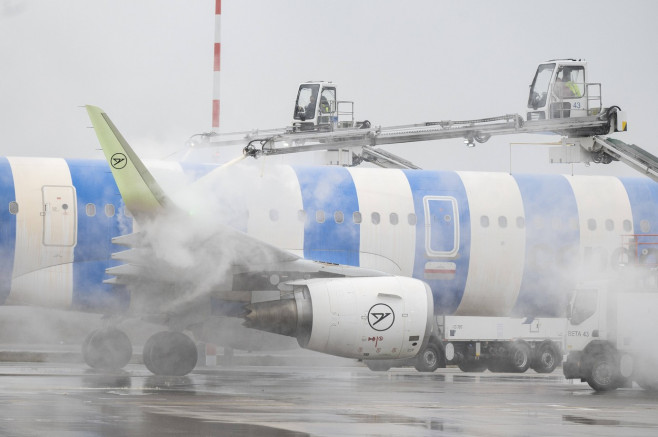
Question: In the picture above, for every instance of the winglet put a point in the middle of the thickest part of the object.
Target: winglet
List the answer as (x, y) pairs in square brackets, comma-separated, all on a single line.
[(139, 190)]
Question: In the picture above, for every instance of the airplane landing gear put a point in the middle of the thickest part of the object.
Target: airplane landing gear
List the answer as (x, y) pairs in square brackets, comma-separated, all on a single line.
[(107, 349), (170, 353)]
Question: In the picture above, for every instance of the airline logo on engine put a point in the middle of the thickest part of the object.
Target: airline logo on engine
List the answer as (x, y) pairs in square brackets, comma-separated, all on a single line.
[(381, 317)]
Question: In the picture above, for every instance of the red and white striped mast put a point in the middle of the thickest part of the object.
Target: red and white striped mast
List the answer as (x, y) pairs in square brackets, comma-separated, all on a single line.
[(216, 67)]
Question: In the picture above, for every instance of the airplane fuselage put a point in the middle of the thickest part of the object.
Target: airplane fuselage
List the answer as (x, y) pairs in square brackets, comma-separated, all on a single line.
[(486, 243)]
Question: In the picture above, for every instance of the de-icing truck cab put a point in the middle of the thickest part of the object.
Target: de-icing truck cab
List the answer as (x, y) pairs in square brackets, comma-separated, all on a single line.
[(560, 90), (317, 109), (612, 323)]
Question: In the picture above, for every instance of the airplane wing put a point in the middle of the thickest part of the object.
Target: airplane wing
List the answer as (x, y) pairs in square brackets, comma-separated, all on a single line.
[(180, 264)]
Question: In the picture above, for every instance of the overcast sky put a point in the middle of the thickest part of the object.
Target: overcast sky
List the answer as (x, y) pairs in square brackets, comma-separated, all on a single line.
[(148, 64)]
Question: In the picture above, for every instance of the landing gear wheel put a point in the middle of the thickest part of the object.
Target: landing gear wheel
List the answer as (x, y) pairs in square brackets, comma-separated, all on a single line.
[(428, 360), (473, 366), (170, 353), (378, 366), (604, 375), (107, 349), (519, 357), (546, 360)]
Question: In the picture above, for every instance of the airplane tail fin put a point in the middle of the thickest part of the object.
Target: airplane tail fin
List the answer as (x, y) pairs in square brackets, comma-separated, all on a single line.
[(141, 193)]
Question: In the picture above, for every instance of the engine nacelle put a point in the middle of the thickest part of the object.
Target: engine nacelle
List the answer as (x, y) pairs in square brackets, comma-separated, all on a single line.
[(370, 317)]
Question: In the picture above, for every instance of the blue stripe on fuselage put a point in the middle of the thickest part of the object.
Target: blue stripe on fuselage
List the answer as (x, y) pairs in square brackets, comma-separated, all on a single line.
[(329, 190), (552, 241), (95, 185), (643, 196), (7, 229), (447, 292)]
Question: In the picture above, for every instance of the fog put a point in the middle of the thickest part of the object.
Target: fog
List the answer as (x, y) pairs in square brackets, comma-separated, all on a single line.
[(149, 65)]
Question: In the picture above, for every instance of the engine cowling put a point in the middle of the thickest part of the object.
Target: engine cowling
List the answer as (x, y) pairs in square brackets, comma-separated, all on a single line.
[(368, 317)]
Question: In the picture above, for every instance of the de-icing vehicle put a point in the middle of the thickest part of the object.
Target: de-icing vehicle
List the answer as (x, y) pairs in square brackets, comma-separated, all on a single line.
[(561, 101), (317, 109)]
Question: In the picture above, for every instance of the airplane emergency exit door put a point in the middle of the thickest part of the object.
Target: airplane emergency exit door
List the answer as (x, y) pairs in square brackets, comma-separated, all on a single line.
[(59, 216)]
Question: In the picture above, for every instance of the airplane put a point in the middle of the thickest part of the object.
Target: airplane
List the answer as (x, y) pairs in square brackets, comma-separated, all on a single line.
[(347, 261)]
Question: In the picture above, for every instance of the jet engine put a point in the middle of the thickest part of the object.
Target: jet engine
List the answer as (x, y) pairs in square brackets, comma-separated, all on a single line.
[(366, 317)]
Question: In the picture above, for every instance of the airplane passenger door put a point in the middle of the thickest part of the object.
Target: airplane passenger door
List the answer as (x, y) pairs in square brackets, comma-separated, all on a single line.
[(59, 216), (441, 226)]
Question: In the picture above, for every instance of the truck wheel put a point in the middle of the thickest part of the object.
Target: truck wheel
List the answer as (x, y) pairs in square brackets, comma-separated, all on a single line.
[(604, 375), (378, 366), (519, 357), (473, 366), (428, 360), (546, 360)]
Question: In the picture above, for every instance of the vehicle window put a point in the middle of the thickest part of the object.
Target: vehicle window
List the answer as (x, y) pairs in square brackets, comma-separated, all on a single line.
[(570, 82), (584, 306), (339, 217), (274, 215), (375, 218), (356, 217), (319, 216), (484, 221), (13, 207), (539, 87), (502, 221)]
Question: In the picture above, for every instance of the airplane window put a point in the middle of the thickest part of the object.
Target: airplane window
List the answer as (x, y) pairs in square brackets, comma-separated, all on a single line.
[(484, 221), (502, 221), (645, 226), (90, 209), (338, 217), (301, 216), (520, 222), (319, 216), (627, 226), (109, 210), (591, 224), (274, 215), (393, 218), (573, 224), (411, 219), (13, 207), (609, 225), (356, 217), (375, 218)]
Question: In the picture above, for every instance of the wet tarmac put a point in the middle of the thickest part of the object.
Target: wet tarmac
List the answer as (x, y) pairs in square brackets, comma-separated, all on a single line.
[(70, 400)]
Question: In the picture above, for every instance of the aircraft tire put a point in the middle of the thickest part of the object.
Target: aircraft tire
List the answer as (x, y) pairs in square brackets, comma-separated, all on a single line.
[(170, 353), (107, 349)]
